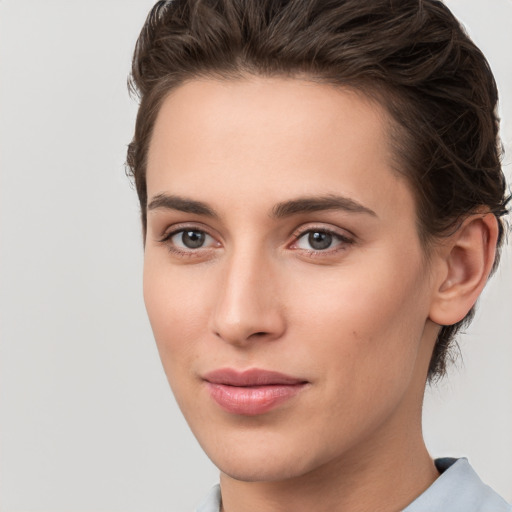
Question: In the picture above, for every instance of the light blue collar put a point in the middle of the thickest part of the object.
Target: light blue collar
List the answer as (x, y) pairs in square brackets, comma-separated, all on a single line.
[(458, 489), (212, 501)]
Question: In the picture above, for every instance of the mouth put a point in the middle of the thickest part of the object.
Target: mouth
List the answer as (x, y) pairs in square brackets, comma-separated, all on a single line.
[(251, 392)]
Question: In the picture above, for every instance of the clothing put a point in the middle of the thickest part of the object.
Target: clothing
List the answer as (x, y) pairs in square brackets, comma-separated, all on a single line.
[(458, 489)]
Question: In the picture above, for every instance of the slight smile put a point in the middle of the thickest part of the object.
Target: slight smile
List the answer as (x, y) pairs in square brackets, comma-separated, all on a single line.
[(253, 391)]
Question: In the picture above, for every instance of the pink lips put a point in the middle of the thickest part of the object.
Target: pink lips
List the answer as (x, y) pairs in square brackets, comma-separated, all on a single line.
[(251, 392)]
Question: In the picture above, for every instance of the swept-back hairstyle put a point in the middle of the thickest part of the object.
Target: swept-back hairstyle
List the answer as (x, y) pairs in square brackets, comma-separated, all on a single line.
[(412, 56)]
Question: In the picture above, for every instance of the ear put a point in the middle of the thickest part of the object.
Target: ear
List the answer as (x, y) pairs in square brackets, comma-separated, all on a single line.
[(465, 261)]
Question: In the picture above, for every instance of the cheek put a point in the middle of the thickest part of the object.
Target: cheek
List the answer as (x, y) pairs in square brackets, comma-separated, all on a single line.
[(176, 310), (367, 335), (369, 315)]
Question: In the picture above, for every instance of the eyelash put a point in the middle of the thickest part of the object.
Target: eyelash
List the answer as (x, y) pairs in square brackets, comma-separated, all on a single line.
[(343, 241), (166, 240)]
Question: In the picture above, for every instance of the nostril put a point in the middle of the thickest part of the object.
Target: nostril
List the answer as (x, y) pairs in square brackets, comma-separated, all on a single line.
[(259, 334)]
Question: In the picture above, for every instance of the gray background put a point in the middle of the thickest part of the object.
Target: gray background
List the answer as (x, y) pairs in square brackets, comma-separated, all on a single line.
[(87, 422)]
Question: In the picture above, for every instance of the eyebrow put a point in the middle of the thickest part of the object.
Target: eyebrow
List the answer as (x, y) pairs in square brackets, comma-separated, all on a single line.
[(182, 204), (316, 204), (279, 211)]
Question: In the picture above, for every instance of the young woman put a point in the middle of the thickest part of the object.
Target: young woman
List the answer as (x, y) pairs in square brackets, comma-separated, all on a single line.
[(322, 202)]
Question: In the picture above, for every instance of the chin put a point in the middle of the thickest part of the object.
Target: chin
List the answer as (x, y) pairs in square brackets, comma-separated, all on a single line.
[(261, 460), (247, 470)]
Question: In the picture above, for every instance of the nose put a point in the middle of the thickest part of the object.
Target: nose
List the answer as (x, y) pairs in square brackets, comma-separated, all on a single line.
[(248, 306)]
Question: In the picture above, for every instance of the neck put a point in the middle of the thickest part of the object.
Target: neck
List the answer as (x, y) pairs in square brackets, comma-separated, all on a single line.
[(387, 482), (385, 472)]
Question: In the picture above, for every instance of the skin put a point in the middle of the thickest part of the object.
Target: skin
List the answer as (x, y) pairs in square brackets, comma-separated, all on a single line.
[(357, 320)]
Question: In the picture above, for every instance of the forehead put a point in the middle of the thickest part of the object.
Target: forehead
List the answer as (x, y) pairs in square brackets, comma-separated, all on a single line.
[(261, 139)]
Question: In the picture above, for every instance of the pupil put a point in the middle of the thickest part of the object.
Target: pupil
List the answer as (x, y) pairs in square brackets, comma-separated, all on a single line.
[(318, 240), (192, 239)]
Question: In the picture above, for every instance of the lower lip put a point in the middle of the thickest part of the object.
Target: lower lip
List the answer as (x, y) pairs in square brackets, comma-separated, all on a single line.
[(252, 400)]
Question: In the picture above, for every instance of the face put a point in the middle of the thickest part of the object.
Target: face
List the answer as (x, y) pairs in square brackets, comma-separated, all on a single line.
[(284, 277)]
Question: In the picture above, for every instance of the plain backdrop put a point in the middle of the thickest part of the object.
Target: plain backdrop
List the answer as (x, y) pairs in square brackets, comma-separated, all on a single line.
[(87, 422)]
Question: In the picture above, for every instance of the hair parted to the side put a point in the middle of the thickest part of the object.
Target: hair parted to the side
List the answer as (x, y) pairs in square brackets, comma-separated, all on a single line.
[(412, 56)]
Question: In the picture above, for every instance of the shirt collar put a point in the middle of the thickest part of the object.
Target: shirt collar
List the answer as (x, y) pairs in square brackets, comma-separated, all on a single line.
[(458, 489)]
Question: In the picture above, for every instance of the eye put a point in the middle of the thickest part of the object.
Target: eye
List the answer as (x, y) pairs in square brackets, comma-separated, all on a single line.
[(320, 240), (189, 239), (186, 240)]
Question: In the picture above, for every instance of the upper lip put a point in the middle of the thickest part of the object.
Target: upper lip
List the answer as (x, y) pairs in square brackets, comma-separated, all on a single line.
[(251, 377)]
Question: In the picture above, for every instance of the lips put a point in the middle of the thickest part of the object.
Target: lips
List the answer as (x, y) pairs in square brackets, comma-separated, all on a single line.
[(251, 392)]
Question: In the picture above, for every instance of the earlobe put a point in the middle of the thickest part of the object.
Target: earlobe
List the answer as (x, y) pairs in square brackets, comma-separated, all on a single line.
[(467, 259)]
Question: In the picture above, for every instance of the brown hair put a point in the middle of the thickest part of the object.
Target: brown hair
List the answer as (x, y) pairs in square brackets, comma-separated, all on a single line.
[(413, 56)]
